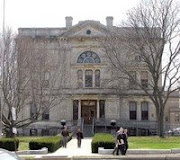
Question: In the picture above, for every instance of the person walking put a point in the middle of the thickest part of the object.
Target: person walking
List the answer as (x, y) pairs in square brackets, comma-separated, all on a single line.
[(79, 135), (125, 138), (116, 144), (65, 135), (120, 142)]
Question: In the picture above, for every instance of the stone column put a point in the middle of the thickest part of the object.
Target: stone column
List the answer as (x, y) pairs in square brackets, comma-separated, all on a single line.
[(138, 111), (93, 78), (79, 109), (98, 109)]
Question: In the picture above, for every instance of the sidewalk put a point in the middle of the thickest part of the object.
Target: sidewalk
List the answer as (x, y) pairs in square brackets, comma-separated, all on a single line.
[(73, 150)]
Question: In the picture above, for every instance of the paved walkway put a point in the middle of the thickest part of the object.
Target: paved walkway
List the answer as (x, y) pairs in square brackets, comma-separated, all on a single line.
[(73, 150)]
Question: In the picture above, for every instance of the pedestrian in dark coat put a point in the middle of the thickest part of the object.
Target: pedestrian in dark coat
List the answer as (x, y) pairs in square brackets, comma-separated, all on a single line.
[(120, 142), (116, 143), (79, 135), (65, 136), (125, 135)]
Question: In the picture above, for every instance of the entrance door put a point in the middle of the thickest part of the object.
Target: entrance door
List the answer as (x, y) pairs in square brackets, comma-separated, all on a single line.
[(88, 110)]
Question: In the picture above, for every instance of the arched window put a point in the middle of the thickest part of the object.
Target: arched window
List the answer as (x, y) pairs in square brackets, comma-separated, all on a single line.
[(144, 111), (88, 78), (88, 57), (80, 78), (97, 78)]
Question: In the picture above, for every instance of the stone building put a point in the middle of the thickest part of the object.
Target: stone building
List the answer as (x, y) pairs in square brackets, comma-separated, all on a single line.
[(90, 98)]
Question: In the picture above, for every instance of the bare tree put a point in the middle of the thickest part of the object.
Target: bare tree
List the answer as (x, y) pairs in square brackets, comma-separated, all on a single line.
[(30, 76), (149, 41)]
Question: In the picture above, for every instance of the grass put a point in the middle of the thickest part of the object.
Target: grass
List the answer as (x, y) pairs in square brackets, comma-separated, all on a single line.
[(24, 142), (154, 142), (151, 142)]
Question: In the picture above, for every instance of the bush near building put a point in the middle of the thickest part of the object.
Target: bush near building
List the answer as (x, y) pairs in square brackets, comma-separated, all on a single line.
[(105, 140), (52, 143), (10, 144)]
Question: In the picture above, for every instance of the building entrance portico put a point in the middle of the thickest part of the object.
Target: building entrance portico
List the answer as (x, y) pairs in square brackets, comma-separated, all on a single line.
[(88, 110)]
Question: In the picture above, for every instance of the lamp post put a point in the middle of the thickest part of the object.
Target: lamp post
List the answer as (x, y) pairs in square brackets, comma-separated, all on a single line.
[(113, 129), (63, 123)]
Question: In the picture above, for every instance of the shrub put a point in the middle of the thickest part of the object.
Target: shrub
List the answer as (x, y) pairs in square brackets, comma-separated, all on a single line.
[(10, 144), (52, 143), (105, 140)]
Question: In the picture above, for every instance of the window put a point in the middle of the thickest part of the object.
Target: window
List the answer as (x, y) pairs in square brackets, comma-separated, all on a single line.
[(88, 31), (46, 79), (144, 79), (88, 78), (139, 58), (88, 57), (177, 118), (97, 78), (132, 110), (132, 80), (33, 111), (80, 78), (45, 113), (102, 108), (75, 109), (144, 111)]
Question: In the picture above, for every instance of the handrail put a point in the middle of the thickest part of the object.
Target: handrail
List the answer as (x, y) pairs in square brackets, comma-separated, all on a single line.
[(82, 124), (93, 125)]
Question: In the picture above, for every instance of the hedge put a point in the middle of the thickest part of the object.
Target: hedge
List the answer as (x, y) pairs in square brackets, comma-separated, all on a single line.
[(105, 140), (10, 144), (52, 143)]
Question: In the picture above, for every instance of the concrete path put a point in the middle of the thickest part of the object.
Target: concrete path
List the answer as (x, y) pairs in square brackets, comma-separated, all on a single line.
[(73, 150)]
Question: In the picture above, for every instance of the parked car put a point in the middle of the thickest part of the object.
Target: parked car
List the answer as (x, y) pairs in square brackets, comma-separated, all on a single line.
[(7, 155), (173, 132)]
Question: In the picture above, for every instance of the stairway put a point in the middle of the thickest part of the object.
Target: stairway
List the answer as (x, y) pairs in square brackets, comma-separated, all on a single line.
[(87, 131)]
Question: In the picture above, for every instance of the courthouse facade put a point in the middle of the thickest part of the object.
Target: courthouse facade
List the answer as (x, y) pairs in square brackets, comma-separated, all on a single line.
[(86, 80)]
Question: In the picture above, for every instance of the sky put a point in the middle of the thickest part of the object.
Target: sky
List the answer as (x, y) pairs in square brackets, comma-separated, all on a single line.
[(52, 13)]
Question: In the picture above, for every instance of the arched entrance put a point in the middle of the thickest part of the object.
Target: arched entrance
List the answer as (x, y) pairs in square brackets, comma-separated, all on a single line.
[(88, 110)]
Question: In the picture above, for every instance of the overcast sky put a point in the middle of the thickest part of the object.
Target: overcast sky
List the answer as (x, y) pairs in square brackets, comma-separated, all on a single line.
[(52, 13)]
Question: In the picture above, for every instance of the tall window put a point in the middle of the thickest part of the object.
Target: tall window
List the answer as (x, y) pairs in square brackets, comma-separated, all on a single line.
[(177, 118), (46, 79), (97, 78), (144, 111), (102, 108), (45, 113), (144, 79), (88, 78), (33, 111), (80, 78), (132, 110), (75, 109), (132, 80)]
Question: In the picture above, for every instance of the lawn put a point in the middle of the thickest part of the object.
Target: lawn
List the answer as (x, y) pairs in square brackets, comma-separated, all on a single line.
[(153, 142)]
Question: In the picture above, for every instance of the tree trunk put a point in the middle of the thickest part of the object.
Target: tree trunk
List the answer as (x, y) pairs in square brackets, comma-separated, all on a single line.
[(160, 122), (9, 132)]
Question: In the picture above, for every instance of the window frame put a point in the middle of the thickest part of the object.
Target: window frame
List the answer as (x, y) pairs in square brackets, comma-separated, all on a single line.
[(88, 82), (145, 111), (132, 112)]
